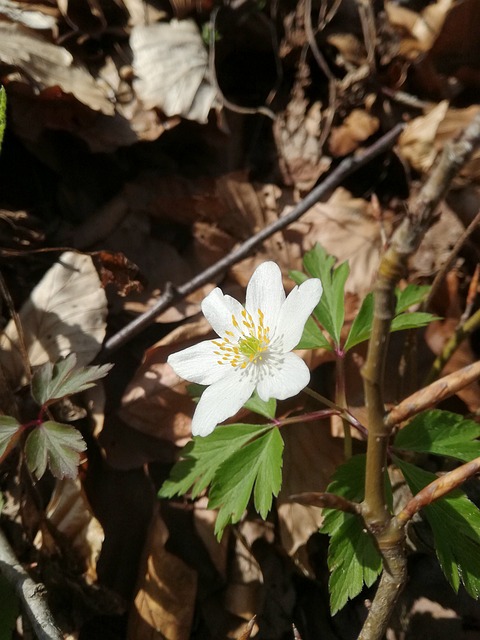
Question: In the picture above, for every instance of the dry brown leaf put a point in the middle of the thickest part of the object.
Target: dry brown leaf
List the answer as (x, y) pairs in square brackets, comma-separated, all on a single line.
[(355, 128), (28, 15), (171, 66), (65, 313), (70, 513), (49, 65), (155, 402), (165, 599), (320, 454)]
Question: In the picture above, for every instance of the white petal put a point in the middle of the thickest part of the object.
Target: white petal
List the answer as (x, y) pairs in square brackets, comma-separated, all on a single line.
[(300, 303), (199, 363), (218, 310), (265, 291), (221, 401), (284, 380)]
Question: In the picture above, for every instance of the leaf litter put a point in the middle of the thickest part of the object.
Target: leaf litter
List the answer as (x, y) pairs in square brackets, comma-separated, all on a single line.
[(87, 82)]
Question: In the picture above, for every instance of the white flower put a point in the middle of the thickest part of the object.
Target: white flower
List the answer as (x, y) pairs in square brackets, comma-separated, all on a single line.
[(254, 349)]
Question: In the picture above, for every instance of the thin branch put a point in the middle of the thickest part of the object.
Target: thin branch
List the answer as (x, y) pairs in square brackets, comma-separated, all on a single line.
[(32, 594), (342, 171), (437, 489), (326, 500), (433, 394)]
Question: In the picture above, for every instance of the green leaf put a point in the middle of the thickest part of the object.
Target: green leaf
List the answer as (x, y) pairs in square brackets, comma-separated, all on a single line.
[(413, 320), (54, 381), (412, 294), (455, 523), (330, 311), (313, 338), (267, 409), (3, 113), (259, 465), (353, 557), (362, 325), (202, 457), (10, 431), (57, 445), (442, 433)]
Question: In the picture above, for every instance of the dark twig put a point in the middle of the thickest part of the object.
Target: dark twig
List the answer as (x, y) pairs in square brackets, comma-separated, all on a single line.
[(171, 295), (326, 500), (32, 594)]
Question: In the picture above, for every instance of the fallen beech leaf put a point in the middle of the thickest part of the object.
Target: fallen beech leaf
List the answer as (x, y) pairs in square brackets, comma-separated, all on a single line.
[(165, 599), (65, 313), (50, 65), (117, 269), (156, 402), (171, 66), (357, 127), (70, 513)]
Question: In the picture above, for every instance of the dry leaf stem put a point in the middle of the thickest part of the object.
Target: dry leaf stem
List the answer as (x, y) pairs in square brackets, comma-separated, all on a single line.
[(31, 594), (346, 168), (388, 531)]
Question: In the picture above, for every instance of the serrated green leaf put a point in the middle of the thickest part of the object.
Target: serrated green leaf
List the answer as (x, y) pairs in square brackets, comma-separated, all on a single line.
[(54, 381), (10, 431), (412, 294), (57, 445), (313, 338), (267, 409), (195, 390), (362, 325), (3, 113), (353, 557), (455, 523), (413, 320), (442, 433), (203, 456), (330, 312), (258, 463)]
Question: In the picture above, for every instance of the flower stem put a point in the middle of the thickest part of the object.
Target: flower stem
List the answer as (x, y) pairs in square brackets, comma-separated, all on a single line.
[(341, 401), (338, 410)]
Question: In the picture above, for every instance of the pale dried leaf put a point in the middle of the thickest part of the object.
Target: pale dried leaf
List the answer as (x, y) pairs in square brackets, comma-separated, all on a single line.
[(49, 65), (356, 127), (417, 142), (70, 513), (155, 402), (320, 454), (171, 66), (34, 19), (65, 313), (165, 599)]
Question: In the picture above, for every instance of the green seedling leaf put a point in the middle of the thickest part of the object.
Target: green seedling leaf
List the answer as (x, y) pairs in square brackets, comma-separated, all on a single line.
[(441, 433), (202, 457), (330, 311), (353, 558), (54, 381), (258, 466), (264, 408), (412, 294), (362, 325), (57, 445), (455, 523), (413, 320), (10, 431), (3, 113), (313, 338)]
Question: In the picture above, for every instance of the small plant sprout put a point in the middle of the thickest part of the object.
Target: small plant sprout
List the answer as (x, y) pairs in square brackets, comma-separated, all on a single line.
[(254, 348)]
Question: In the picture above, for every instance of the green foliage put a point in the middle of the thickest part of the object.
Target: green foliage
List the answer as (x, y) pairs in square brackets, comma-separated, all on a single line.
[(235, 459), (441, 433), (3, 113), (54, 381), (455, 523), (353, 558), (330, 312), (57, 445), (267, 409), (10, 431)]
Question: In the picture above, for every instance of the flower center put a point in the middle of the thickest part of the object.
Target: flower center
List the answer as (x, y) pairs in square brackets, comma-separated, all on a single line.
[(249, 346)]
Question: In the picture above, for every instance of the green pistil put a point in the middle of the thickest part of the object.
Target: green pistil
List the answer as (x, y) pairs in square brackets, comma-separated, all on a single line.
[(250, 346)]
